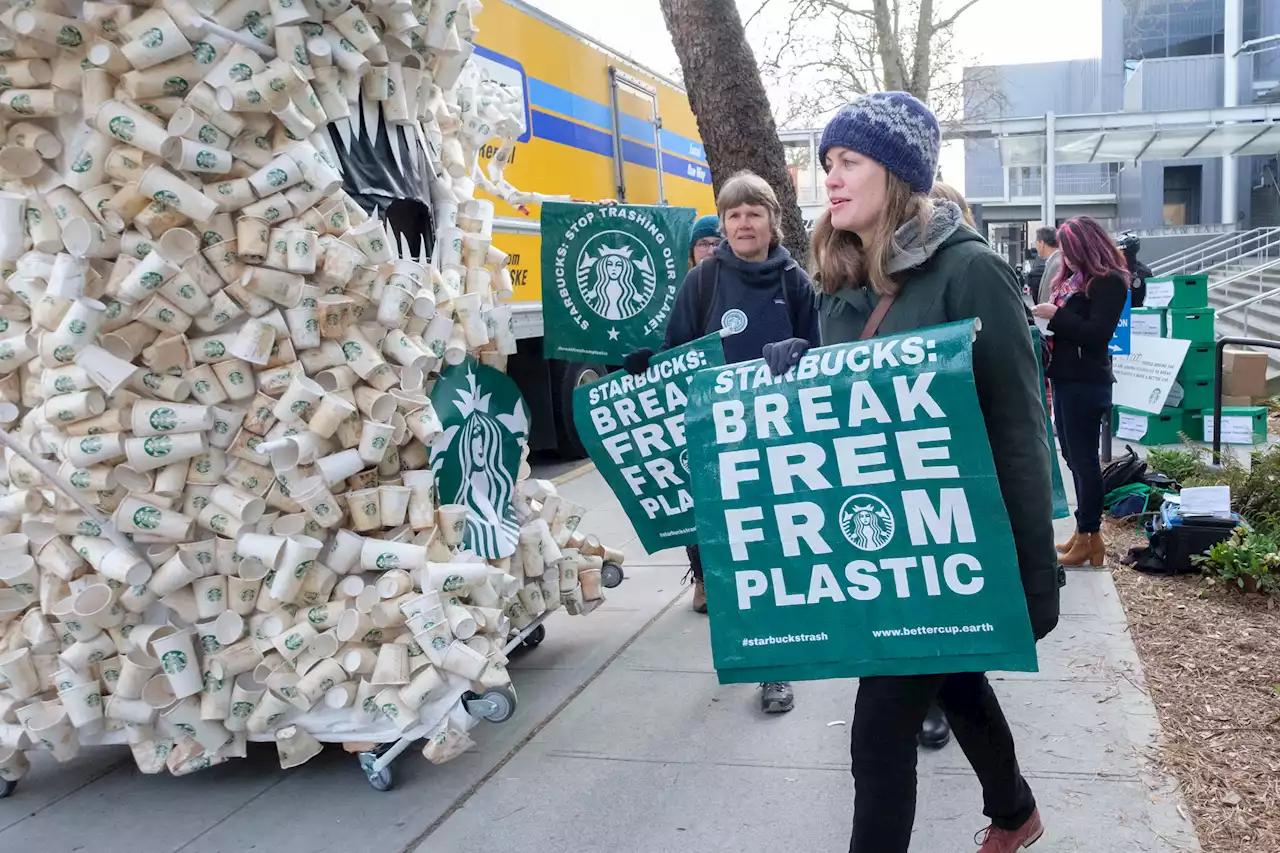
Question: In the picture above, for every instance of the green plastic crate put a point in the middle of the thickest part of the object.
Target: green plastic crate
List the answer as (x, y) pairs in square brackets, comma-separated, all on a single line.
[(1152, 322), (1190, 291), (1191, 324), (1159, 429), (1198, 365), (1235, 419), (1193, 423), (1197, 394)]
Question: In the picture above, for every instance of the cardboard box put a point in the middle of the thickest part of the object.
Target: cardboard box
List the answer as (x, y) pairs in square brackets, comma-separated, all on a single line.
[(1244, 373), (1236, 401)]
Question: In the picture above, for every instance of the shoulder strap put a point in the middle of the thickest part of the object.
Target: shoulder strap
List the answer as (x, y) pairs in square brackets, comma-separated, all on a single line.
[(877, 316), (791, 281), (706, 296)]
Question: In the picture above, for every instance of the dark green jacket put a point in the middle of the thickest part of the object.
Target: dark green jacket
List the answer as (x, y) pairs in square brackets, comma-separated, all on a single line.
[(964, 278)]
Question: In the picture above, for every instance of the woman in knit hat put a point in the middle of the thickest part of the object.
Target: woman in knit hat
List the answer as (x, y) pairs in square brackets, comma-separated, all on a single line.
[(705, 238), (750, 286), (891, 260)]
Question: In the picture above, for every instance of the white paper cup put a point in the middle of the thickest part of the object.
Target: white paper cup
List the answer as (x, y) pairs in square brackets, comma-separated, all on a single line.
[(329, 413), (394, 504), (294, 640), (461, 659), (177, 655), (19, 671), (296, 559), (453, 523), (136, 669)]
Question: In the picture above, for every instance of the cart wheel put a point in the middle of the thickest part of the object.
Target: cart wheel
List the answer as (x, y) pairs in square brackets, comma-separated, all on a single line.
[(504, 701), (611, 575), (535, 638), (379, 780), (7, 787)]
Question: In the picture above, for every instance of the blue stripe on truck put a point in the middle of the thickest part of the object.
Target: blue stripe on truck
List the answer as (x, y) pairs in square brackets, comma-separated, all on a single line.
[(556, 129)]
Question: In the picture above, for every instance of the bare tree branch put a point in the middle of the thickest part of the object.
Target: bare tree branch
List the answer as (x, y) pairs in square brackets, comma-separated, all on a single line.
[(946, 23)]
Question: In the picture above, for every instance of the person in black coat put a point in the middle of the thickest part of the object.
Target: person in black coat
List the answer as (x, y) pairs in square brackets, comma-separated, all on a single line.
[(1087, 300)]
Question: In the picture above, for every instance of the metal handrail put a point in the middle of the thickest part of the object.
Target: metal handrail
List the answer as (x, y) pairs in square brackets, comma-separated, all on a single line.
[(1217, 384), (1243, 274), (1261, 297), (1215, 242), (1259, 250), (1228, 253)]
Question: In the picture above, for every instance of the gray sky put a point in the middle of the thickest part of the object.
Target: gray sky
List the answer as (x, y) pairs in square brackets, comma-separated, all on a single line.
[(992, 32)]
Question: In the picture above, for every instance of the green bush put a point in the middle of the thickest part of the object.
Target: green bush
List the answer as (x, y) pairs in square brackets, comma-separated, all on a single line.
[(1249, 559)]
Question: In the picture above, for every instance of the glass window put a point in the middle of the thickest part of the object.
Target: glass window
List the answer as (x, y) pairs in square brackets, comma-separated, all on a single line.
[(800, 166)]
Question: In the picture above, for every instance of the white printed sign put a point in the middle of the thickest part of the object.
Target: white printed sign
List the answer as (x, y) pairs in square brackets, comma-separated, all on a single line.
[(1145, 376), (1159, 294), (1236, 429), (1132, 427), (1145, 324)]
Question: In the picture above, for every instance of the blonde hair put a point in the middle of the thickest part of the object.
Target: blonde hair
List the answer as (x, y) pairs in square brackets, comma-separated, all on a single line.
[(744, 188), (946, 192), (841, 260)]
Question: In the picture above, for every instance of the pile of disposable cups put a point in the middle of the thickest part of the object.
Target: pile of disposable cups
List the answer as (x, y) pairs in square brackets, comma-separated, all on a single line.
[(223, 526)]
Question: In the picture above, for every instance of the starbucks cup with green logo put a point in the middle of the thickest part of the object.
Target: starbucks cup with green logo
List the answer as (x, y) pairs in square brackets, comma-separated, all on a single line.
[(179, 663), (79, 406), (235, 375), (453, 523), (329, 413), (174, 574), (16, 351), (145, 279), (189, 124), (294, 640), (83, 703), (211, 596), (155, 39), (19, 671), (165, 418), (383, 555), (82, 654), (183, 719), (67, 281), (246, 693), (52, 727), (162, 185)]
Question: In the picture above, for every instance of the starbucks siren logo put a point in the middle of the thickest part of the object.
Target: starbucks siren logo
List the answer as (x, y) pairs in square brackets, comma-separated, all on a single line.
[(866, 522), (206, 159), (21, 104), (157, 446), (64, 385), (204, 52), (163, 419), (174, 662), (152, 38), (684, 463), (616, 275), (70, 37), (147, 518), (122, 127)]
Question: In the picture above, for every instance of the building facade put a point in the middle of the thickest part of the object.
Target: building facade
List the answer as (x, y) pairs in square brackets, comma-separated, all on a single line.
[(1155, 55)]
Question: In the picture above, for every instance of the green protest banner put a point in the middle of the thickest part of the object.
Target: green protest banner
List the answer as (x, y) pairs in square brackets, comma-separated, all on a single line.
[(477, 458), (1060, 507), (610, 275), (849, 516), (633, 429)]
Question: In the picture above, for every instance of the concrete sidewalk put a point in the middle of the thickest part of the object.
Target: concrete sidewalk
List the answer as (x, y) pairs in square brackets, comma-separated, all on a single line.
[(624, 741)]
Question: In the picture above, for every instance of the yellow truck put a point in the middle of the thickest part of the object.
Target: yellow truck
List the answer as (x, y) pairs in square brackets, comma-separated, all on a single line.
[(596, 126)]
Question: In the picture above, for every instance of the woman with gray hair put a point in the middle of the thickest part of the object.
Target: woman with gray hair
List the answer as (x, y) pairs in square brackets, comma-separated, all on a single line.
[(753, 288)]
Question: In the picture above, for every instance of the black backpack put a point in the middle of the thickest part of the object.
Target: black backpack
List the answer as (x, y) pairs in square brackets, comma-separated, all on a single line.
[(1125, 471)]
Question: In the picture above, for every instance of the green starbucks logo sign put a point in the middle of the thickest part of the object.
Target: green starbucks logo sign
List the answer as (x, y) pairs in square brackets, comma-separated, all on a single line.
[(152, 38), (293, 642), (175, 86), (157, 446), (387, 561), (77, 327), (80, 479), (163, 418), (241, 710), (70, 37), (866, 522), (123, 128), (240, 72), (352, 351), (213, 595), (208, 135), (210, 644), (152, 381), (64, 385), (89, 528), (174, 662), (218, 522), (21, 104), (147, 518), (214, 349), (204, 52), (206, 159)]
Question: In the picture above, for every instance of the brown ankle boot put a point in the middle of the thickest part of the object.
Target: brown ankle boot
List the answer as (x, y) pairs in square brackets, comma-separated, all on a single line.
[(699, 597), (1089, 548), (1066, 546)]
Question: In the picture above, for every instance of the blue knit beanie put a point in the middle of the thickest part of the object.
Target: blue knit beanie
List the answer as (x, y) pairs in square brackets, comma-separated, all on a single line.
[(706, 226), (892, 128)]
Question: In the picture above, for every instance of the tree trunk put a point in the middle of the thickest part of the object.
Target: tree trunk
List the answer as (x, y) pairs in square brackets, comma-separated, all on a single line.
[(729, 101)]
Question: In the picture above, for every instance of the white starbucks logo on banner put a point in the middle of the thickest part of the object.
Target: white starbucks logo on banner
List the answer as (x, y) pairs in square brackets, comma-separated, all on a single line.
[(477, 457), (866, 522), (616, 275)]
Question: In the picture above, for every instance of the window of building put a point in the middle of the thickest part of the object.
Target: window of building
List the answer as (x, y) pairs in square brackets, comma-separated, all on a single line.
[(1154, 29), (799, 160), (1182, 195)]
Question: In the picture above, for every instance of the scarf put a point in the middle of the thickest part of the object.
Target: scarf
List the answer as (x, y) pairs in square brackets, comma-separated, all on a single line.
[(912, 247), (1066, 288)]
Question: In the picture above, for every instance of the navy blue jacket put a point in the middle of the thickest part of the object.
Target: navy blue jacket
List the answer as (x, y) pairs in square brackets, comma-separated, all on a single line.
[(773, 296)]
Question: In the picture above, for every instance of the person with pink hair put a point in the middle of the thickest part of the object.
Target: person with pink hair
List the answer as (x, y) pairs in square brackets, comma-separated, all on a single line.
[(1084, 307)]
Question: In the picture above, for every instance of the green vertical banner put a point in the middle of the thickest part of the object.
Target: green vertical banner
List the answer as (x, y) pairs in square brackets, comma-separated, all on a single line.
[(610, 274), (1060, 507), (633, 429), (476, 459), (849, 516)]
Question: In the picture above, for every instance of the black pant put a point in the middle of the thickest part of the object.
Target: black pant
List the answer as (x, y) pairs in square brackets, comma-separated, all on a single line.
[(1078, 410), (886, 719), (695, 561)]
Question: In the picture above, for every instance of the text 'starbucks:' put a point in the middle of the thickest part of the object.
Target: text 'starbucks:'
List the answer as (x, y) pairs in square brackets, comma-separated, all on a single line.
[(855, 499)]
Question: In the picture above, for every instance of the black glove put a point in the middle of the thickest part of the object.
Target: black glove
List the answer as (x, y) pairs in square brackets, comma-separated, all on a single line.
[(784, 355), (637, 362)]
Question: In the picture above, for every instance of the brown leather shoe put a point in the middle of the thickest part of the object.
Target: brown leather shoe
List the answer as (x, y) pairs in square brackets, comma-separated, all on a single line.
[(997, 840), (1066, 546), (699, 596), (1088, 548)]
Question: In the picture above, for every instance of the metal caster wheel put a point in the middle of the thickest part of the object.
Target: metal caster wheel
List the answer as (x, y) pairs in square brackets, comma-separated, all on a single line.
[(535, 637), (379, 780), (496, 704), (7, 787), (611, 575)]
